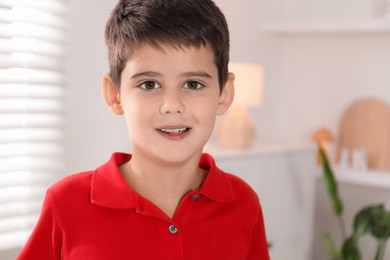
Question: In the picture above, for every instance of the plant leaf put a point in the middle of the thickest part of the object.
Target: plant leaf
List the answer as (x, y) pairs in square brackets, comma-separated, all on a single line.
[(330, 183), (334, 253), (363, 222), (350, 250), (380, 224)]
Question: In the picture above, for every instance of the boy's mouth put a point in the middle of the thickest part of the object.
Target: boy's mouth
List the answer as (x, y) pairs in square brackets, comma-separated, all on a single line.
[(174, 131)]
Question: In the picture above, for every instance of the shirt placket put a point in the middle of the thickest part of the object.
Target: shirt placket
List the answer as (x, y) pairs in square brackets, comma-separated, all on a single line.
[(174, 241)]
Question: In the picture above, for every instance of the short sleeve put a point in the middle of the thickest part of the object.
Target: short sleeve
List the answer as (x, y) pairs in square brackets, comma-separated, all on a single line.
[(259, 245), (45, 240)]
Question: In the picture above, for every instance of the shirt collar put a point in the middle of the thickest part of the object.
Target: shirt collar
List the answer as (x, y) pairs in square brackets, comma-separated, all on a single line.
[(110, 189), (217, 185)]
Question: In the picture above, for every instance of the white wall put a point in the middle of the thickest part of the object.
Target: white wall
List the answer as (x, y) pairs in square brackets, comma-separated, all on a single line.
[(322, 74), (309, 78), (92, 132)]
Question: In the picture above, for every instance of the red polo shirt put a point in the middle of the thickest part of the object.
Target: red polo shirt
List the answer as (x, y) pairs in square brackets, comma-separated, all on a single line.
[(96, 215)]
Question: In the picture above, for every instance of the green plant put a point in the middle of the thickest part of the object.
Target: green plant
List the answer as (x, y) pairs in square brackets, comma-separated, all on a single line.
[(373, 220)]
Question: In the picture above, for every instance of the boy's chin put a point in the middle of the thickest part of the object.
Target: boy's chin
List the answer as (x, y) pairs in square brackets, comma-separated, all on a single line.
[(177, 156)]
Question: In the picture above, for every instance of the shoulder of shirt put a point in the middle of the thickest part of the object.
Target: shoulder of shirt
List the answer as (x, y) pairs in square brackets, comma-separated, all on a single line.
[(241, 188), (244, 195), (72, 182)]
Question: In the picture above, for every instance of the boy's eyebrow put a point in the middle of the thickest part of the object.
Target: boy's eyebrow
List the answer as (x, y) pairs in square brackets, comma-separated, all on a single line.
[(146, 73), (189, 74), (201, 74)]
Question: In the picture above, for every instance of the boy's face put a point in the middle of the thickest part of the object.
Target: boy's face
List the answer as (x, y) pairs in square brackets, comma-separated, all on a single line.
[(170, 98)]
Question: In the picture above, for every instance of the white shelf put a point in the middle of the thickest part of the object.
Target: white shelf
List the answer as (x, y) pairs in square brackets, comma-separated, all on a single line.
[(300, 27), (368, 178)]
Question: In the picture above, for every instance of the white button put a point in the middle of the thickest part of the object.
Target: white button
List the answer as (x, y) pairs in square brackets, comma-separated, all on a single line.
[(173, 229)]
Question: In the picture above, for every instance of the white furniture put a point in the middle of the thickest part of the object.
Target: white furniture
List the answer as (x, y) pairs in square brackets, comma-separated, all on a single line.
[(330, 26), (369, 179)]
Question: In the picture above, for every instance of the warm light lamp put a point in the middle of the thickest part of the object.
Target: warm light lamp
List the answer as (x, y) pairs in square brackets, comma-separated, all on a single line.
[(237, 130)]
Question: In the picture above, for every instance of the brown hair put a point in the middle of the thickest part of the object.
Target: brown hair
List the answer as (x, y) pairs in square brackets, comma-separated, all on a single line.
[(179, 23)]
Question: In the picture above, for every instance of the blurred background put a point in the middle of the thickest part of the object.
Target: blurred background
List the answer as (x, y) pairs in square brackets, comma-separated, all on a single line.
[(317, 57)]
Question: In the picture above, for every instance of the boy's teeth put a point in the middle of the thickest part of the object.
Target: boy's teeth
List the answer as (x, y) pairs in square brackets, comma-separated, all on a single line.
[(174, 131)]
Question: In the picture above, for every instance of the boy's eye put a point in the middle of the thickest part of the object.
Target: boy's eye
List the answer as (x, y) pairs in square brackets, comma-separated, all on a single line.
[(149, 85), (193, 85)]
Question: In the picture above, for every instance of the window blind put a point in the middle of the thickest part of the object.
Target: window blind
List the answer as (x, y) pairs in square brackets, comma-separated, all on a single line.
[(32, 51)]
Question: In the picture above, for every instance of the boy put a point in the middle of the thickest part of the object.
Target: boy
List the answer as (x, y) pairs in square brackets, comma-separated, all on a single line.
[(168, 77)]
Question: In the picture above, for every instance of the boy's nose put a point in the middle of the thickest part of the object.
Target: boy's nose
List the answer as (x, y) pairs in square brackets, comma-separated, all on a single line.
[(172, 103)]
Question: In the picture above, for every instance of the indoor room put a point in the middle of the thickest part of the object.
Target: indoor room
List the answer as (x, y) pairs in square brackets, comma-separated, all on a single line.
[(309, 74)]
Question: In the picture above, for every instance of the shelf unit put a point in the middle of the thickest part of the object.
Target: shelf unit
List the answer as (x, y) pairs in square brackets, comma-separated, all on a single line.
[(331, 26), (368, 178)]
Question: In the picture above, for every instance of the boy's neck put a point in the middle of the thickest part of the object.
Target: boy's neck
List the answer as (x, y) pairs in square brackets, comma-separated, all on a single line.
[(162, 183)]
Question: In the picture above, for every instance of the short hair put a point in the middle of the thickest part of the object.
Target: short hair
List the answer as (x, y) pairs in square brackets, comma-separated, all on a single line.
[(178, 23)]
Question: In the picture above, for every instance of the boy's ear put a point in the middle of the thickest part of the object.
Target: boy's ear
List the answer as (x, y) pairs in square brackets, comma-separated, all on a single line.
[(111, 95), (227, 95)]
